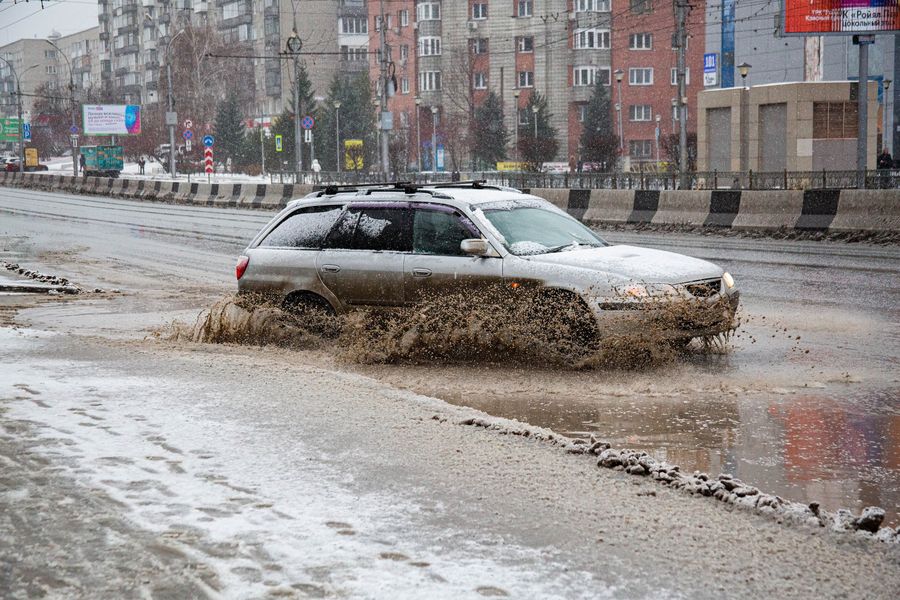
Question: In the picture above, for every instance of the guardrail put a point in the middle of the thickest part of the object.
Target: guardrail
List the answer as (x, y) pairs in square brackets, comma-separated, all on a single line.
[(638, 180)]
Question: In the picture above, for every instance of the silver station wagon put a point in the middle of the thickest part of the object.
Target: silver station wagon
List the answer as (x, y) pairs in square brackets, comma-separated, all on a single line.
[(396, 245)]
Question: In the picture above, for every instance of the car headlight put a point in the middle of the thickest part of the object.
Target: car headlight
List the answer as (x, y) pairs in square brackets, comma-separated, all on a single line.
[(635, 291), (728, 279)]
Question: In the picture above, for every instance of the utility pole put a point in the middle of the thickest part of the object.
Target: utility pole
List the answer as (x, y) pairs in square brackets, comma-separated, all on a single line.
[(862, 137), (262, 147), (681, 9), (385, 159), (71, 103)]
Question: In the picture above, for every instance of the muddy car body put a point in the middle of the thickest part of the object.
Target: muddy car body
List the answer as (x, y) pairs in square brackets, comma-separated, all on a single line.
[(335, 250)]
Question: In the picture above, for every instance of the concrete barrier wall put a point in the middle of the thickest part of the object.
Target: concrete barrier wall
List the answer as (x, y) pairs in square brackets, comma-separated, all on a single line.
[(823, 210)]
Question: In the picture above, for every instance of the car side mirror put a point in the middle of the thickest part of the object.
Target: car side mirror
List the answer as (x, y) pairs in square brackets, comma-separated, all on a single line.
[(476, 247)]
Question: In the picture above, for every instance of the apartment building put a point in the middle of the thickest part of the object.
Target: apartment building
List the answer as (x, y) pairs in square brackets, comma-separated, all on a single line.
[(34, 62), (644, 58), (81, 51)]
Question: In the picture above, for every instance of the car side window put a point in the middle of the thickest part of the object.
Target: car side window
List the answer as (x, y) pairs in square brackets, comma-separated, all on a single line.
[(437, 231), (305, 228), (372, 228)]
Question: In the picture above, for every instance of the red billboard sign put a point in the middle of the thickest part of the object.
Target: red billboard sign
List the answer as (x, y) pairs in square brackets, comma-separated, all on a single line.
[(823, 17)]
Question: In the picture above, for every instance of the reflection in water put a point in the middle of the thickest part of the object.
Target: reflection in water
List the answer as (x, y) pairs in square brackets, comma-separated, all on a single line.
[(842, 453)]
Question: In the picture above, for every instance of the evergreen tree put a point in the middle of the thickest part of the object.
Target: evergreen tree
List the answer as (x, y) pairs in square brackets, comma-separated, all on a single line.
[(537, 150), (599, 142), (229, 131), (357, 120), (489, 133)]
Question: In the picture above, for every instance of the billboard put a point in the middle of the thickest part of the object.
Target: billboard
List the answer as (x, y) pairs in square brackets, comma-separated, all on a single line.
[(825, 17), (111, 119), (9, 130)]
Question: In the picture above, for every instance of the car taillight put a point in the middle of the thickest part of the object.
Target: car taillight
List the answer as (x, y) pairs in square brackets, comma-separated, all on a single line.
[(241, 266)]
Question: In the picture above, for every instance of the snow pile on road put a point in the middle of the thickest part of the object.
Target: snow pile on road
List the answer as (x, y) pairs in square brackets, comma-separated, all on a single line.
[(724, 487)]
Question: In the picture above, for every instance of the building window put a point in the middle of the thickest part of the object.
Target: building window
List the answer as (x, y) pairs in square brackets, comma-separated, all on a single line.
[(640, 148), (50, 54), (524, 116), (404, 85), (603, 75), (429, 81), (525, 43), (526, 79), (352, 25), (592, 6), (687, 114), (404, 52), (639, 7), (404, 18), (640, 76), (428, 11), (640, 41), (525, 8), (687, 76), (479, 45), (51, 70), (429, 46), (479, 81), (354, 53), (582, 112), (592, 38), (640, 112), (834, 120), (479, 10), (582, 76)]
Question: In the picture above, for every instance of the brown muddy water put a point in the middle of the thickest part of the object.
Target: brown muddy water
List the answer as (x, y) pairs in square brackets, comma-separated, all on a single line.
[(833, 441)]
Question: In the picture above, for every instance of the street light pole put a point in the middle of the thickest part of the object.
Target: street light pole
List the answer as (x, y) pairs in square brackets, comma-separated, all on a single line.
[(657, 141), (434, 112), (418, 135), (516, 95), (337, 135), (886, 135), (744, 70), (71, 103), (619, 73), (294, 45), (19, 106), (534, 112)]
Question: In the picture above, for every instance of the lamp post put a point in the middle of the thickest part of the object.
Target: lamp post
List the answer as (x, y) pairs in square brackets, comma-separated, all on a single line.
[(657, 141), (293, 45), (19, 107), (171, 117), (71, 103), (337, 135), (434, 112), (418, 135), (619, 74), (674, 113), (376, 103), (534, 111), (516, 95), (887, 135), (744, 70)]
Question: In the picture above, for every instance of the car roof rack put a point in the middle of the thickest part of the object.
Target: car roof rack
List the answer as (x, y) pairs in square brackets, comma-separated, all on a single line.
[(407, 187)]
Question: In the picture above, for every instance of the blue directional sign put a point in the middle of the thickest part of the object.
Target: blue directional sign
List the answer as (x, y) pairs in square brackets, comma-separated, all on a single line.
[(208, 140), (73, 129), (26, 132), (188, 134)]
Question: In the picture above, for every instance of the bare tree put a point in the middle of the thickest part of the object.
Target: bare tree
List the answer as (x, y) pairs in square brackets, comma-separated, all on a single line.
[(459, 99)]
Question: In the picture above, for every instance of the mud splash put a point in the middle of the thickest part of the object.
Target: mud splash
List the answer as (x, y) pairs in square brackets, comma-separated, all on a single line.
[(532, 329)]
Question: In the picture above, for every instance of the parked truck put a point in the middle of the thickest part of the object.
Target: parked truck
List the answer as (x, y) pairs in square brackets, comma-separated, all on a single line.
[(102, 161)]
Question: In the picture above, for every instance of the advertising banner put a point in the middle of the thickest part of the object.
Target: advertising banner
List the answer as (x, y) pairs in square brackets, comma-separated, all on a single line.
[(111, 119), (9, 130), (824, 17)]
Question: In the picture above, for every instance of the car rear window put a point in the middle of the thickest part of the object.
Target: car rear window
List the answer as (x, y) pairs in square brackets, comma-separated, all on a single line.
[(305, 228), (372, 228)]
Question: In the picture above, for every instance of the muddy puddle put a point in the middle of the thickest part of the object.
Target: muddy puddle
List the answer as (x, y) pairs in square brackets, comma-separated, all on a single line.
[(686, 404)]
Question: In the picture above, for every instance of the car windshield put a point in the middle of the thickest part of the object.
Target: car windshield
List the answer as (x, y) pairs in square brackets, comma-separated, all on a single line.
[(530, 228)]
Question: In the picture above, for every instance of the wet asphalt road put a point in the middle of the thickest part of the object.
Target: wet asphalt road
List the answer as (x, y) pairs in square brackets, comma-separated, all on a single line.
[(805, 404)]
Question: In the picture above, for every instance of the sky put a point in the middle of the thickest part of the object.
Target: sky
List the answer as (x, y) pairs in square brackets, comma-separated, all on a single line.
[(26, 19)]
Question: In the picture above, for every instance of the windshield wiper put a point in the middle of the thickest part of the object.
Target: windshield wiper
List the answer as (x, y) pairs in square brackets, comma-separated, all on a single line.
[(572, 245)]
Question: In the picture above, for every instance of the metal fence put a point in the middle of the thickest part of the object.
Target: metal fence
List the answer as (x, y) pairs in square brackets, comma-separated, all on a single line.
[(638, 180)]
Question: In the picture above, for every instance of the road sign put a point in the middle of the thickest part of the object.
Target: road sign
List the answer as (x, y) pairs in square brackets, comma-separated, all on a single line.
[(74, 139), (307, 136), (710, 69), (279, 143), (171, 118), (208, 140), (187, 145), (188, 124), (73, 129), (307, 122), (208, 158), (26, 132), (188, 134)]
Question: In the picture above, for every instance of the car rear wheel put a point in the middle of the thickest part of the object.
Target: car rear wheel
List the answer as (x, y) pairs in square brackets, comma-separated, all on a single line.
[(313, 312)]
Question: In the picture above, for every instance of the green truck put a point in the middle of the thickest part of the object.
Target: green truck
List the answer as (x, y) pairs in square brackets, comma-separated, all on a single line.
[(102, 161)]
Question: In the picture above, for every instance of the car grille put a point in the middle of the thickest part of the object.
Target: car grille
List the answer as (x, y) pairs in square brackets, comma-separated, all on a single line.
[(704, 289)]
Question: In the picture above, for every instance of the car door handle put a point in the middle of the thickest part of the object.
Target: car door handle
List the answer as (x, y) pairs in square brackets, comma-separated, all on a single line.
[(418, 272), (331, 268)]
